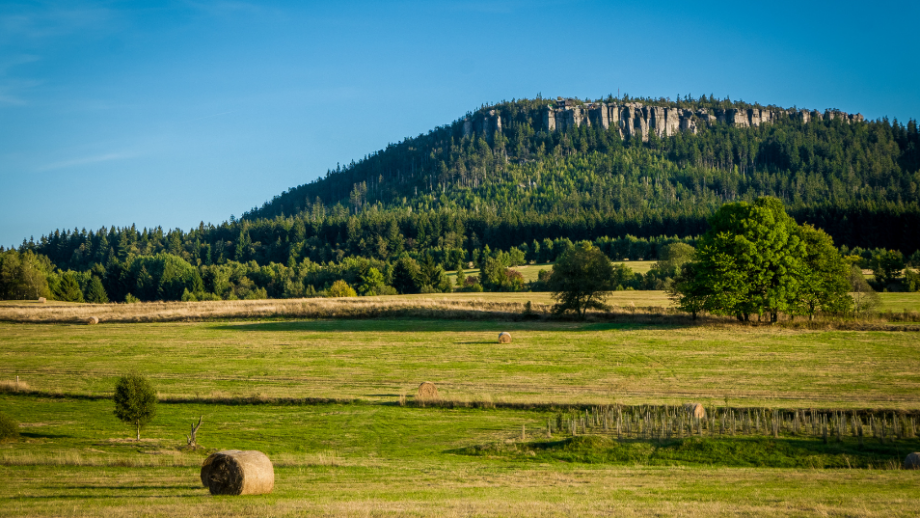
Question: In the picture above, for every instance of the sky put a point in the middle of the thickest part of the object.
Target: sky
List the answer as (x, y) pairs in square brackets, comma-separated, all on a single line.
[(174, 113)]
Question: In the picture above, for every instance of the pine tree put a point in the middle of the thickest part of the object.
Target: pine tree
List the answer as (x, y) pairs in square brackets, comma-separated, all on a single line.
[(95, 292)]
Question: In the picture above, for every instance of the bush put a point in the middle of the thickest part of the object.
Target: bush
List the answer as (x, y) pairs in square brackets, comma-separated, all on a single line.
[(131, 299), (9, 428), (387, 290), (341, 288)]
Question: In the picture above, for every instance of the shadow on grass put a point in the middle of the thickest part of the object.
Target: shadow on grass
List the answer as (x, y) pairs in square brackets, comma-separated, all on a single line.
[(404, 325), (33, 435), (764, 452), (131, 488)]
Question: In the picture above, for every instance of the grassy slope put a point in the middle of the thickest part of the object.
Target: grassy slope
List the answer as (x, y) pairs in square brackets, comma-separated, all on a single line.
[(548, 361), (372, 460)]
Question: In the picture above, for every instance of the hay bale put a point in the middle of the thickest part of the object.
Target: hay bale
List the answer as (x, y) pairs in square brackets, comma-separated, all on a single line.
[(912, 461), (427, 392), (504, 338), (42, 300), (235, 472), (695, 410), (91, 321)]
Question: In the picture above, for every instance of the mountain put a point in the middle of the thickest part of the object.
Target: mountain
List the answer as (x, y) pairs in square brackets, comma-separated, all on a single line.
[(643, 166), (529, 177)]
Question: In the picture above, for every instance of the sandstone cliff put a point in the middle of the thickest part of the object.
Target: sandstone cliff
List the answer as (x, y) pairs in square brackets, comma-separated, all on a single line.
[(633, 118)]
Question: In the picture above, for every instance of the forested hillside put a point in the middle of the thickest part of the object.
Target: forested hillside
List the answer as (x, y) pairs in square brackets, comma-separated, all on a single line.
[(516, 193), (859, 181)]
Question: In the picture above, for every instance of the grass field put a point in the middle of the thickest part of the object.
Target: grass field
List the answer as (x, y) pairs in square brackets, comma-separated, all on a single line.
[(618, 299), (374, 457), (373, 460), (530, 271), (548, 362)]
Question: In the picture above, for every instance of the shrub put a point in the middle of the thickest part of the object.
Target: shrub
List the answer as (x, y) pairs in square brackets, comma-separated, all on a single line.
[(9, 428), (341, 288)]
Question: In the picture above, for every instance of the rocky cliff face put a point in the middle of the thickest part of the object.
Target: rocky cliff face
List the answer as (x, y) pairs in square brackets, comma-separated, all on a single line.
[(636, 119), (484, 123)]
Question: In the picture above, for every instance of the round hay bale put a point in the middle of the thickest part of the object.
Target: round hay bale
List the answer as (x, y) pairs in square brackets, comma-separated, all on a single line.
[(427, 392), (42, 300), (504, 338), (91, 321), (235, 472), (912, 461), (695, 410)]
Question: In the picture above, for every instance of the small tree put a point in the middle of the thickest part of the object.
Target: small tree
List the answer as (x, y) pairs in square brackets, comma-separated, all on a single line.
[(672, 256), (581, 279), (372, 283), (135, 401), (406, 275), (340, 288), (95, 292), (461, 276), (887, 266), (864, 297), (825, 283)]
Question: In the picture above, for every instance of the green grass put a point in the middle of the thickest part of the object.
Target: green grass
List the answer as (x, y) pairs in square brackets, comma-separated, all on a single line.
[(722, 451), (377, 458), (900, 301), (76, 459), (548, 362)]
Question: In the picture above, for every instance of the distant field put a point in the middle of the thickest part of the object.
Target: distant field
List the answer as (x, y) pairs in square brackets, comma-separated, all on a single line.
[(530, 271), (376, 359)]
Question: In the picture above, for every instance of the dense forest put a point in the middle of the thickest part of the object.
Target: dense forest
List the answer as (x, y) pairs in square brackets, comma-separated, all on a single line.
[(447, 198)]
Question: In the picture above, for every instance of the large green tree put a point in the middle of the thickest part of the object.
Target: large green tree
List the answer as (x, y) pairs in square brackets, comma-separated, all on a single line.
[(581, 279), (751, 261)]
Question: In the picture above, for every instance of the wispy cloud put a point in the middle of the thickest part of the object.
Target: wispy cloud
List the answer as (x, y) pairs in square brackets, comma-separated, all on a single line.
[(95, 159), (21, 22)]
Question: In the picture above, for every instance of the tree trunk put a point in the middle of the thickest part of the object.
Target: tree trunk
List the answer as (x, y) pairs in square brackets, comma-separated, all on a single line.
[(138, 424)]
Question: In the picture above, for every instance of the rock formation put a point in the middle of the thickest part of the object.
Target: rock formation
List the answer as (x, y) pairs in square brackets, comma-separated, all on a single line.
[(634, 118)]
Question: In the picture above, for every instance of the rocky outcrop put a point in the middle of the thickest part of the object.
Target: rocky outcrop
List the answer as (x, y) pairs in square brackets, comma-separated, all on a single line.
[(483, 122), (636, 119)]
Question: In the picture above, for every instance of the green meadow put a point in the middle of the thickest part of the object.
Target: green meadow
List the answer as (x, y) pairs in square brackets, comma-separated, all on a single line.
[(324, 399)]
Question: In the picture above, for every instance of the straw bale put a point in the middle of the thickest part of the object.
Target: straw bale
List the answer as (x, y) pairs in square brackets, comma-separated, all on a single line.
[(42, 300), (91, 321), (695, 410), (427, 392), (912, 461), (235, 472), (504, 338)]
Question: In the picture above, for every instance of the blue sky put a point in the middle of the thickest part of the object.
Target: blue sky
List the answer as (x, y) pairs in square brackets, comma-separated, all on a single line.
[(171, 113)]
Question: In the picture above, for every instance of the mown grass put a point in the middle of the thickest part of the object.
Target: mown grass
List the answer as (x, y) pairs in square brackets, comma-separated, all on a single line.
[(76, 459), (374, 457), (548, 362)]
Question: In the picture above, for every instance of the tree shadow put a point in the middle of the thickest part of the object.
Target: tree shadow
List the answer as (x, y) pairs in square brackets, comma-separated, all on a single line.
[(33, 435), (401, 325)]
